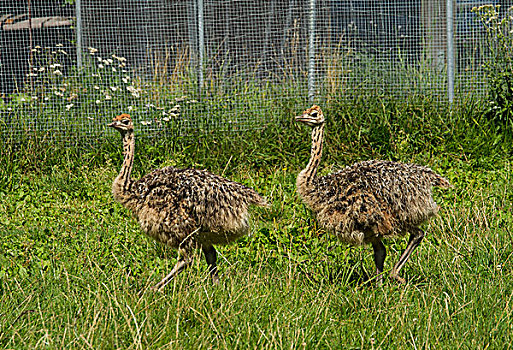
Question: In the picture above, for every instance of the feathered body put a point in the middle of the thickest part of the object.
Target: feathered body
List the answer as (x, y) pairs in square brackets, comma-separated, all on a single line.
[(368, 201), (372, 199), (189, 207), (183, 208)]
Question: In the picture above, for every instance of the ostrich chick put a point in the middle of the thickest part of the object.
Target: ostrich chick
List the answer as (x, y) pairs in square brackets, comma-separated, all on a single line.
[(183, 208), (368, 201)]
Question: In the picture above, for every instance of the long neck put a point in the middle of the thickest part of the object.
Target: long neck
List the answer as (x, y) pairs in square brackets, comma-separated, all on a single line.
[(308, 174), (121, 185)]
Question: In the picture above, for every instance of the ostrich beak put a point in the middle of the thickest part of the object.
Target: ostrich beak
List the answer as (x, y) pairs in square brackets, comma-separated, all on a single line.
[(303, 118)]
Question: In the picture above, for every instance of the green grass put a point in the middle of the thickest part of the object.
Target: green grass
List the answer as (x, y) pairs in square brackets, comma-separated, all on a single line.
[(75, 269)]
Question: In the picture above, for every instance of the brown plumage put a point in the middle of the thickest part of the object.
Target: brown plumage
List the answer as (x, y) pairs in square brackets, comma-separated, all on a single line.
[(368, 201), (183, 208)]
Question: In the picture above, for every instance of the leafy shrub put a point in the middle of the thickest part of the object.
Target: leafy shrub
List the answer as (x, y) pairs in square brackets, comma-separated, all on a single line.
[(499, 67)]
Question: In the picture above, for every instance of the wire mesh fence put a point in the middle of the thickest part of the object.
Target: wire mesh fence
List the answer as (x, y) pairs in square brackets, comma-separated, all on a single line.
[(66, 66)]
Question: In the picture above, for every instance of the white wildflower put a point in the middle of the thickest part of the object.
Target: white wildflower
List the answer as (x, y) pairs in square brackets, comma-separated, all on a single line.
[(92, 50), (96, 87), (68, 107), (98, 102), (146, 122), (120, 59), (101, 66), (133, 91), (114, 69), (31, 75), (126, 79), (58, 93), (166, 119), (114, 88), (59, 45), (108, 97)]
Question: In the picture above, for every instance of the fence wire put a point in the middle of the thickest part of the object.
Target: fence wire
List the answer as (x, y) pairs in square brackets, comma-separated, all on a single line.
[(67, 67)]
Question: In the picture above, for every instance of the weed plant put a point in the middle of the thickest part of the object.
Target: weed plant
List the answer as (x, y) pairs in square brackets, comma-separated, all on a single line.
[(498, 25)]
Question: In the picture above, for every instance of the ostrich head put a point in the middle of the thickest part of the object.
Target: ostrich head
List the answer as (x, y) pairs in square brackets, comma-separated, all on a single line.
[(122, 123), (312, 116)]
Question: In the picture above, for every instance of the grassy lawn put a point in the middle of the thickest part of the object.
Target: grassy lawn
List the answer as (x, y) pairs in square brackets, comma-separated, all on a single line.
[(75, 269)]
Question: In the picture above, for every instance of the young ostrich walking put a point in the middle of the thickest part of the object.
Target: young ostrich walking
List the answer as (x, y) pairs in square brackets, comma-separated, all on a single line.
[(369, 201), (183, 208)]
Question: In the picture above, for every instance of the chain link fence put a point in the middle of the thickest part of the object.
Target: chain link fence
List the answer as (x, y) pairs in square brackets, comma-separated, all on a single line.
[(68, 66)]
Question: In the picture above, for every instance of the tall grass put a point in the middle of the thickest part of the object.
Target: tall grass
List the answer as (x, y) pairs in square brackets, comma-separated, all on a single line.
[(75, 269)]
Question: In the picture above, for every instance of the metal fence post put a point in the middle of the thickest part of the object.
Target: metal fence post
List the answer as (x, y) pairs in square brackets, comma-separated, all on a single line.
[(78, 14), (450, 51), (201, 45), (311, 53)]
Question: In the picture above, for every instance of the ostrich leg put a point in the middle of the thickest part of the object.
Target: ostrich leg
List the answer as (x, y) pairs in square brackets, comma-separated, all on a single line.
[(211, 257), (415, 238), (380, 254), (183, 262)]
